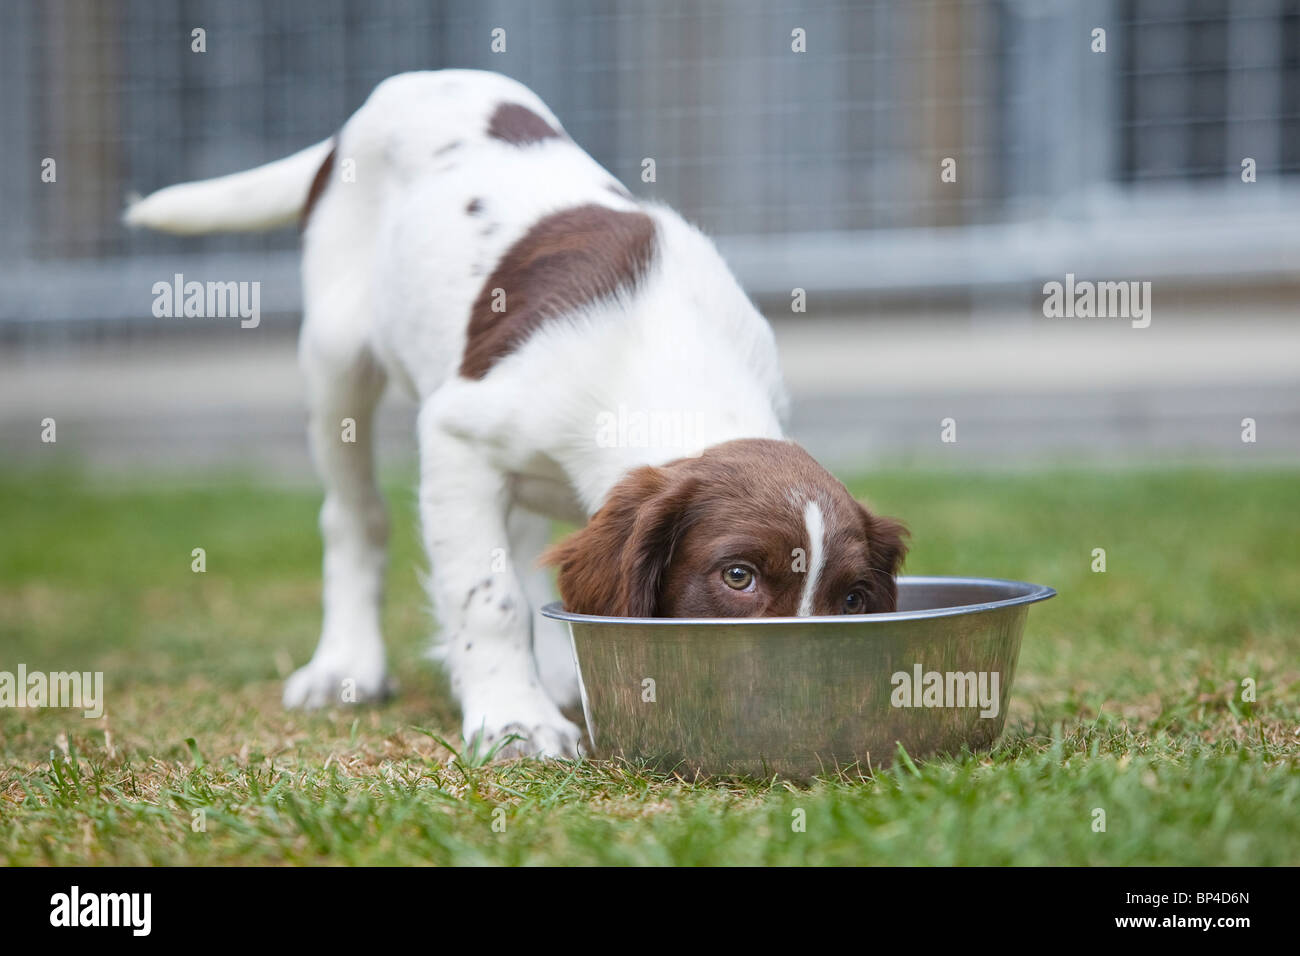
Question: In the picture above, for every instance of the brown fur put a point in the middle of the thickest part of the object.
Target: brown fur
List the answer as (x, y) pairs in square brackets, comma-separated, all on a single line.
[(318, 184), (567, 260), (519, 126), (659, 545)]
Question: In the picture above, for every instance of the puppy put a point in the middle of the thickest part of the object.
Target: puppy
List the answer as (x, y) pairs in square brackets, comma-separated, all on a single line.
[(576, 353)]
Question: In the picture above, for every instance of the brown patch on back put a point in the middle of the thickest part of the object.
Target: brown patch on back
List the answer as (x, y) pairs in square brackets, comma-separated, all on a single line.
[(318, 184), (519, 126), (567, 260)]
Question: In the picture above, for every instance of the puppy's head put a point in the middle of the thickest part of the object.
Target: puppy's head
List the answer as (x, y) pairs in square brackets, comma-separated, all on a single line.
[(751, 528)]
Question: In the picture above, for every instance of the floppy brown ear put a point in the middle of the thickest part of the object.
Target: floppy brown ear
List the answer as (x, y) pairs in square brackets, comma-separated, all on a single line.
[(615, 566), (888, 550)]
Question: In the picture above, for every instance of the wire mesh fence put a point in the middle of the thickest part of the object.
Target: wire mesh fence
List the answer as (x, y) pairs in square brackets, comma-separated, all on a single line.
[(810, 136)]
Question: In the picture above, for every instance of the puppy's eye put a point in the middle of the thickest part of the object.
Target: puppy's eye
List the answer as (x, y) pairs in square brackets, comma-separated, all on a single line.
[(855, 602), (738, 577)]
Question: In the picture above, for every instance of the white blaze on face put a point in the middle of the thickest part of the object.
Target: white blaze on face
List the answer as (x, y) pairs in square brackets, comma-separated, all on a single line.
[(815, 524)]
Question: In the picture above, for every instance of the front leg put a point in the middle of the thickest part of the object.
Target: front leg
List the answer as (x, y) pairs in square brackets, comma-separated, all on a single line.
[(552, 647), (480, 601)]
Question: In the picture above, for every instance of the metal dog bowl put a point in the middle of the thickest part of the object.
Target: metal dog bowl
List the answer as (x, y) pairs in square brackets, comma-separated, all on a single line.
[(800, 696)]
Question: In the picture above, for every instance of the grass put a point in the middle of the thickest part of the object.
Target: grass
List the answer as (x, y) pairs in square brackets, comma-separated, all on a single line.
[(1128, 697)]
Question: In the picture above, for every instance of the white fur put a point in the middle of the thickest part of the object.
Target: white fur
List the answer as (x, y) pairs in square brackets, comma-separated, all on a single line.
[(815, 524), (261, 198), (391, 266)]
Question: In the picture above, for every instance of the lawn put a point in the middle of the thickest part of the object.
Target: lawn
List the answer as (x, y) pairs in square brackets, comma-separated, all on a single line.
[(1128, 697)]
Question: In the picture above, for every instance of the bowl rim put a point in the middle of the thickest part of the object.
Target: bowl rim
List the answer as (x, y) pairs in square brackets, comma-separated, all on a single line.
[(1032, 594)]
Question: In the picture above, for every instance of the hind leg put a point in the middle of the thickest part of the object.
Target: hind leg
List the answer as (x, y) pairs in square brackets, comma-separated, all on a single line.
[(344, 384)]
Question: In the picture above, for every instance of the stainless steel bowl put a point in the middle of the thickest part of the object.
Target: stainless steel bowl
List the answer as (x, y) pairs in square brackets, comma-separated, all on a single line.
[(801, 696)]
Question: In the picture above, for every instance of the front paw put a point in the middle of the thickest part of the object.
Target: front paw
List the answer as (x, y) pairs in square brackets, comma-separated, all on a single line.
[(542, 735), (329, 683)]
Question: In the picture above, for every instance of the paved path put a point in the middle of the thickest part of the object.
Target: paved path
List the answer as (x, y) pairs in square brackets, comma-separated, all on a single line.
[(864, 392)]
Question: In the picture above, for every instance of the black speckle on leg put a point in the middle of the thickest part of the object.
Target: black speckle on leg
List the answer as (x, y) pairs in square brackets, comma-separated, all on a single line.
[(469, 597)]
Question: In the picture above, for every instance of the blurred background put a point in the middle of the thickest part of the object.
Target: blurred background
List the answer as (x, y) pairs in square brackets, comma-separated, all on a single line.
[(816, 170)]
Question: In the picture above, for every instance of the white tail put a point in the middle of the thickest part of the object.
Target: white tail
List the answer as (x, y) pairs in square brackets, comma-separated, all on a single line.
[(261, 198)]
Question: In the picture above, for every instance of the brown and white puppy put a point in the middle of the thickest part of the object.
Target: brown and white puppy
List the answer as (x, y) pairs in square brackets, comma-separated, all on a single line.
[(575, 352)]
